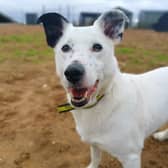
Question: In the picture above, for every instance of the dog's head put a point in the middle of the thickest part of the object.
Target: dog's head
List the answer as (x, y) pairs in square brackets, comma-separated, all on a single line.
[(84, 56)]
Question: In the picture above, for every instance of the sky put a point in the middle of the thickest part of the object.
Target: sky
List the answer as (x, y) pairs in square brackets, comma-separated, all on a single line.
[(17, 8)]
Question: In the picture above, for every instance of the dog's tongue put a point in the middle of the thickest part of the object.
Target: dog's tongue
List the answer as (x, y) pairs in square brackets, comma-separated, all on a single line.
[(83, 92), (78, 93)]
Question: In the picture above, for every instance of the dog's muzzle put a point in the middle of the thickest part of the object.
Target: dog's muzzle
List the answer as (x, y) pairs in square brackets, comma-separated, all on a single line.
[(80, 94)]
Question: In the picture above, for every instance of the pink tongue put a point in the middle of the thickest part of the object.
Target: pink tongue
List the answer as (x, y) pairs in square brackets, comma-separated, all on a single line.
[(79, 92)]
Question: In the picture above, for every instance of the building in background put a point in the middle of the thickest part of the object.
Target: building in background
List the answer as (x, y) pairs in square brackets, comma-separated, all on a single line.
[(162, 24), (87, 18), (31, 18), (148, 18), (76, 12)]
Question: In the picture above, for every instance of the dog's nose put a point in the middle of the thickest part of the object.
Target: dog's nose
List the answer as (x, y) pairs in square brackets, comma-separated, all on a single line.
[(74, 72)]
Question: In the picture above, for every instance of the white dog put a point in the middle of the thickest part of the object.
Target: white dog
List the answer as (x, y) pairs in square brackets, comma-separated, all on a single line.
[(113, 111)]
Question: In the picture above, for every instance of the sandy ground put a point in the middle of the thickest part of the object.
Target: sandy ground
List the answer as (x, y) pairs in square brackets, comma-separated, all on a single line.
[(34, 135)]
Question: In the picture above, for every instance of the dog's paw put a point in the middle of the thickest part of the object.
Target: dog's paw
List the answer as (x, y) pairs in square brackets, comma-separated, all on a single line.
[(160, 136), (91, 166)]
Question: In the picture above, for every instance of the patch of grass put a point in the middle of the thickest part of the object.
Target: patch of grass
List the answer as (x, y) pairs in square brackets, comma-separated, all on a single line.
[(33, 55), (28, 47), (125, 50), (140, 60), (2, 59), (21, 38), (161, 57), (155, 56), (146, 52)]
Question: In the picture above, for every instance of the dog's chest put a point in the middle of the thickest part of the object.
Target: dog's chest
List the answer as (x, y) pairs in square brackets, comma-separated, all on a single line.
[(89, 127), (90, 132), (101, 131), (109, 131)]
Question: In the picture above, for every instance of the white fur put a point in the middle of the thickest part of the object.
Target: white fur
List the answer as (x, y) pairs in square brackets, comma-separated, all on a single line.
[(132, 109), (162, 135), (134, 106)]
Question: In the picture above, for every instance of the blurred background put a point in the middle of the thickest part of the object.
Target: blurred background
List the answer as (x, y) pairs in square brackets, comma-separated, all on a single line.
[(148, 14), (32, 133)]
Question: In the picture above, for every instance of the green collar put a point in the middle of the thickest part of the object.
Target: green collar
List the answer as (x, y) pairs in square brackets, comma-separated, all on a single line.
[(68, 107)]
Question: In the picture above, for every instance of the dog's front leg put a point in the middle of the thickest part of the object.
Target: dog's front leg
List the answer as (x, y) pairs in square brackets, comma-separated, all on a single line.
[(132, 161), (95, 157)]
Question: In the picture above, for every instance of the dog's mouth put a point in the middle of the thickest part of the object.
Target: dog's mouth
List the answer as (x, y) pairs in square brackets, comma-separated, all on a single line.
[(81, 96)]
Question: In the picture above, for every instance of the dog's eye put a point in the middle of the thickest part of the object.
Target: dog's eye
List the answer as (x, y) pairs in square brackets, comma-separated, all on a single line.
[(97, 47), (66, 48)]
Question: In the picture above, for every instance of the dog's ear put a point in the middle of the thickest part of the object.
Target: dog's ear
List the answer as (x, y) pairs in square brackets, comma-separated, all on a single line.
[(112, 24), (54, 26)]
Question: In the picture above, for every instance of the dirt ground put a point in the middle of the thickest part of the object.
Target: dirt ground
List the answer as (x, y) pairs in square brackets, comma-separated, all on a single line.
[(33, 134)]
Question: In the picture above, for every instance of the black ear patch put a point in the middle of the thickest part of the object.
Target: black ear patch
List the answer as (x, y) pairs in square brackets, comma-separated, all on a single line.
[(54, 25), (113, 23)]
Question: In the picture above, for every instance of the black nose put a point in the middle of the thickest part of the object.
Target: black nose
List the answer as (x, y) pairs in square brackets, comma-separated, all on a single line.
[(74, 72)]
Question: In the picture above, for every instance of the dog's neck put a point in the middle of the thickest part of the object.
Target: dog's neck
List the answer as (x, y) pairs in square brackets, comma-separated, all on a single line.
[(116, 77)]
